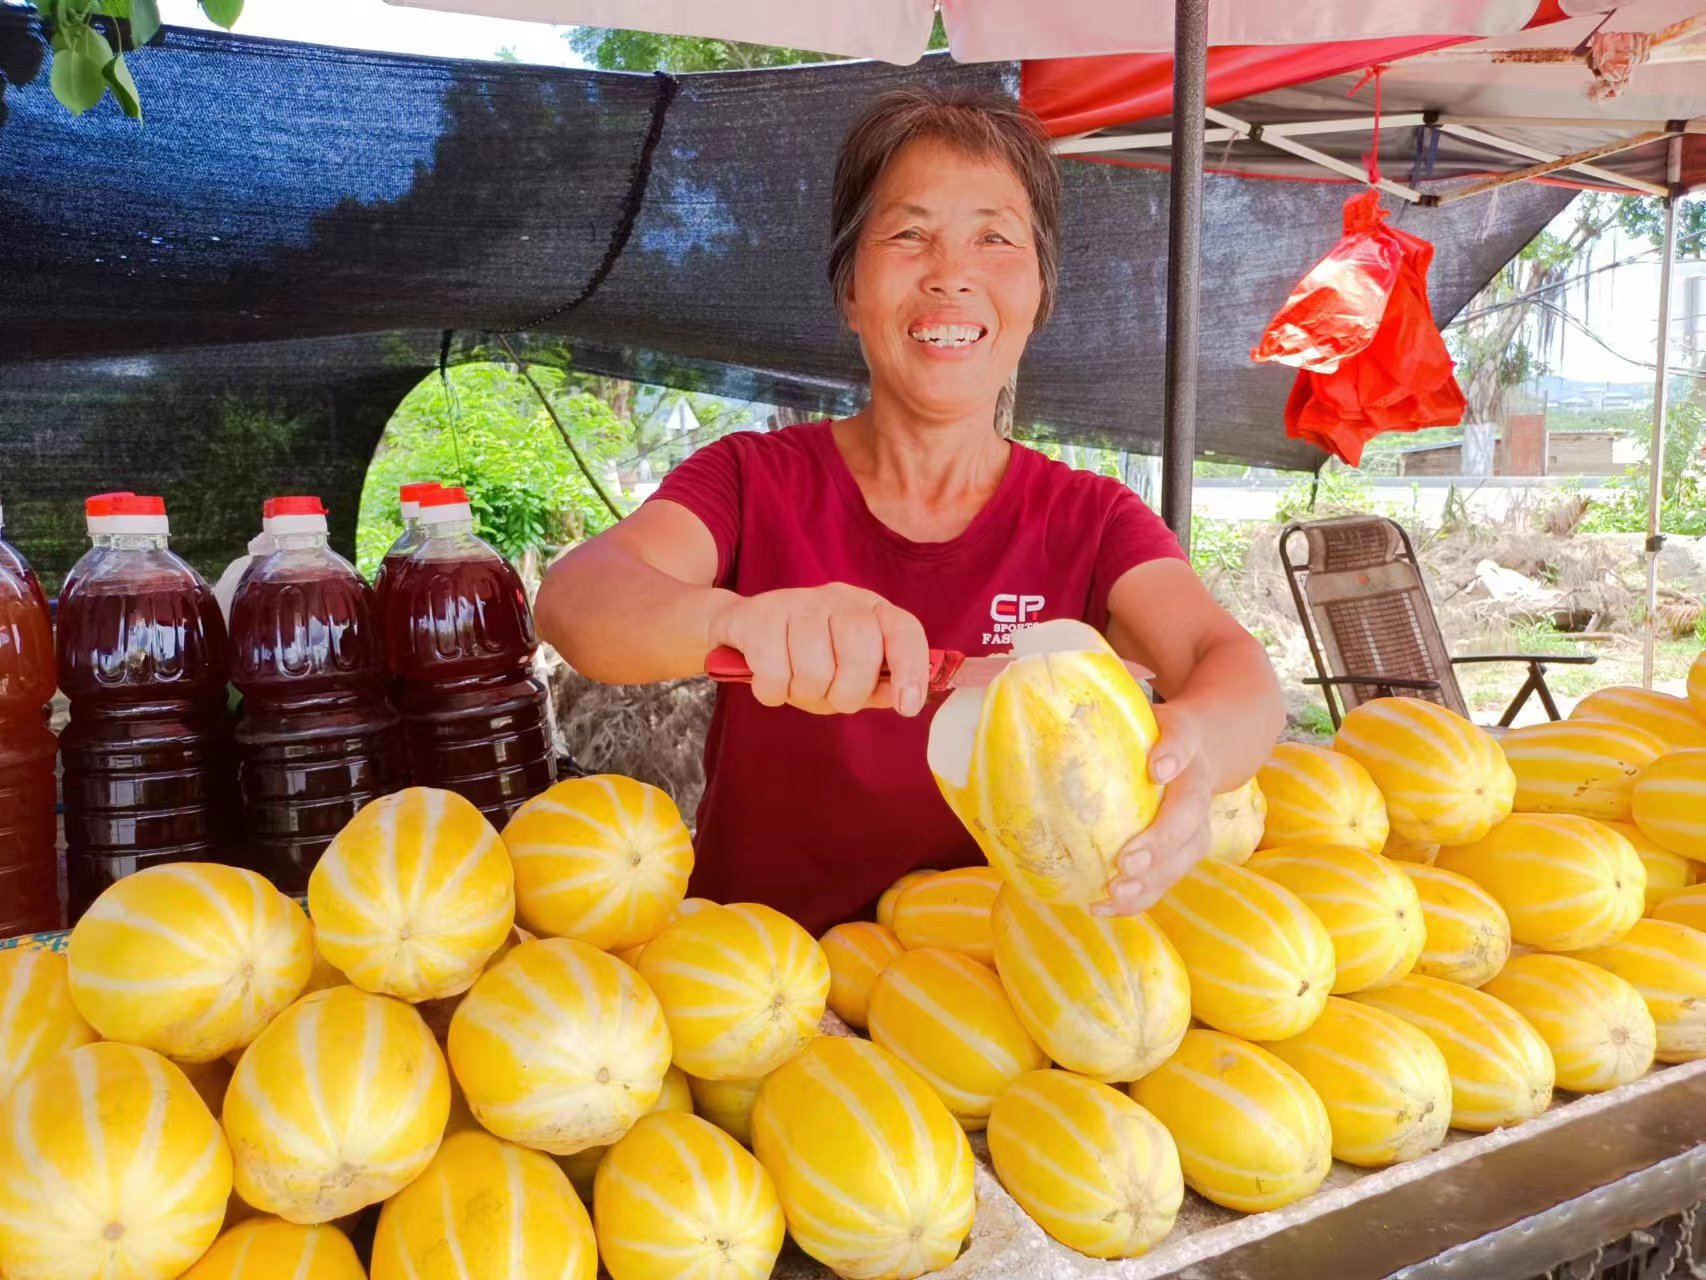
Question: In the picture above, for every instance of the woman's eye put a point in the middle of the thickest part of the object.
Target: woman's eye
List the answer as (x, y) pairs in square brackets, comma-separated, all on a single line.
[(910, 233), (995, 237)]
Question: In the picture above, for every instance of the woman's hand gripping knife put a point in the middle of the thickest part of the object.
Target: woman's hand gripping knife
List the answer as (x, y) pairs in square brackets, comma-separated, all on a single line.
[(1222, 713)]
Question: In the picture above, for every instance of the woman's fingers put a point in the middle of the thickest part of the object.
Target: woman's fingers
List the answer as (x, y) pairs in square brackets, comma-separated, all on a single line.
[(857, 639), (907, 653), (811, 655), (765, 649)]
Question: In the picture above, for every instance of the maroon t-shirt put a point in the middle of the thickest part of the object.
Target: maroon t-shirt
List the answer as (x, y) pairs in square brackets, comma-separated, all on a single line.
[(817, 815)]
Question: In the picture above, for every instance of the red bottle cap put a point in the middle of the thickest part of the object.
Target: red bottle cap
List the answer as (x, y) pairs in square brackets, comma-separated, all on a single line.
[(296, 505), (129, 504), (444, 497), (101, 504), (415, 491)]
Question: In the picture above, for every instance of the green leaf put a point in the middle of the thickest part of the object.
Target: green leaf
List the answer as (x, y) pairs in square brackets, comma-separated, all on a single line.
[(223, 12), (144, 20), (79, 69), (118, 79), (113, 8)]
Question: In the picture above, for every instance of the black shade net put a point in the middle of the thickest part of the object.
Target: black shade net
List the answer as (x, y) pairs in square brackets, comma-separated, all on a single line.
[(229, 300)]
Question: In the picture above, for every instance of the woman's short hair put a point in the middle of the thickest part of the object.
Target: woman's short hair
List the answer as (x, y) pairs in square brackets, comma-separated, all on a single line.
[(984, 126)]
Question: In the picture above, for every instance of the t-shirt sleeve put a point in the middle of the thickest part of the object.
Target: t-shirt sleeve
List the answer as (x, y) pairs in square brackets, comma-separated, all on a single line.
[(709, 484), (1131, 535)]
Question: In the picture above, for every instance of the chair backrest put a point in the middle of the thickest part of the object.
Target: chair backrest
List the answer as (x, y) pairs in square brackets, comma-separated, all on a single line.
[(1365, 608)]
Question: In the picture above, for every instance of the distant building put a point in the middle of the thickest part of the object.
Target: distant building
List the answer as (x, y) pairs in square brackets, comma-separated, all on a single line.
[(1519, 452)]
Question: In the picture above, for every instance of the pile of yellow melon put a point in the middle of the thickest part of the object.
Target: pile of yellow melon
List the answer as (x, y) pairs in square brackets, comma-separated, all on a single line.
[(526, 1053)]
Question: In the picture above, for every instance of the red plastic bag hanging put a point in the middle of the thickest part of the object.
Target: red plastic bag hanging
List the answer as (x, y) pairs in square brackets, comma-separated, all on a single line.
[(1335, 310), (1403, 380)]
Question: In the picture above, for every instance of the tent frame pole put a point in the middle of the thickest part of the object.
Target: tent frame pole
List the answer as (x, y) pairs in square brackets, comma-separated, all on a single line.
[(1656, 455), (1184, 262)]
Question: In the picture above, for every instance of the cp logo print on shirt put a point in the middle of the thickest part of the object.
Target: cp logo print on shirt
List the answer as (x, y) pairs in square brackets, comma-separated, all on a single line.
[(1009, 610)]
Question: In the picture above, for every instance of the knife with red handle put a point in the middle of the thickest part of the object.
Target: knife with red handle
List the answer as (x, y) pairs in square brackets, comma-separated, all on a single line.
[(949, 669)]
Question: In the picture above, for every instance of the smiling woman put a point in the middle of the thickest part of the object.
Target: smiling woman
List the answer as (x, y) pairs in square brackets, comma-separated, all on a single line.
[(832, 555)]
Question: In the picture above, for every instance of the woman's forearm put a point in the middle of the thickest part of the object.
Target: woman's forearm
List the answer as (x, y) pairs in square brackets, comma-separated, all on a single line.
[(617, 619), (1234, 697)]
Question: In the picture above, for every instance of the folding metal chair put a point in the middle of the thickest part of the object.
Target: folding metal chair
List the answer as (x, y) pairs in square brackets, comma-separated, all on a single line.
[(1371, 627)]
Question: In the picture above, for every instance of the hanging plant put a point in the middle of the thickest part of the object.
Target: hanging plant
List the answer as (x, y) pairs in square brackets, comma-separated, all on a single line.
[(89, 47)]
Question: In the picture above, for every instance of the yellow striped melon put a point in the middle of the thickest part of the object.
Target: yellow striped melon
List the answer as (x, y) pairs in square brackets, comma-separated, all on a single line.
[(338, 1104), (1105, 996), (38, 1020), (1260, 963), (1401, 850), (727, 1104), (413, 896), (1445, 780), (110, 1166), (272, 1249), (1565, 882), (1666, 963), (686, 907), (1501, 1069), (678, 1198), (603, 860), (559, 1047), (1667, 872), (582, 1166), (874, 1175), (1370, 908), (1252, 1135), (949, 910), (485, 1207), (1697, 685), (743, 988), (1048, 768), (1320, 796), (1667, 717), (1236, 820), (1584, 767), (188, 959), (1670, 802), (1385, 1085), (891, 895), (1096, 1171), (948, 1018), (1685, 907), (1468, 933), (857, 953), (1596, 1025)]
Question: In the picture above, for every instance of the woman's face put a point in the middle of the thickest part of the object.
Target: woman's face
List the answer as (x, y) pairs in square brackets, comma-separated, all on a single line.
[(945, 281)]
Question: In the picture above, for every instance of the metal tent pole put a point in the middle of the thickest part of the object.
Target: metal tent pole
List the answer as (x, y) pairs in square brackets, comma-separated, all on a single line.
[(1184, 258), (1656, 455)]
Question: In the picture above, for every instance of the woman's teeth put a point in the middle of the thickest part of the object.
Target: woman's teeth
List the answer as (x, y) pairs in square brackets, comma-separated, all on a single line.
[(948, 335)]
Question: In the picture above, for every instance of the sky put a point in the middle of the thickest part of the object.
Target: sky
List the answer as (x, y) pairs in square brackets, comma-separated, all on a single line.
[(373, 24)]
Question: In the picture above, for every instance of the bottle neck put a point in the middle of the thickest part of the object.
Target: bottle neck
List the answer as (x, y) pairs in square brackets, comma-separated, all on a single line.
[(138, 541), (300, 541), (445, 528)]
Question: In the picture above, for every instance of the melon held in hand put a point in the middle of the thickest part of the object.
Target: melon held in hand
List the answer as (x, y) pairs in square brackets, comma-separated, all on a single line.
[(191, 960), (413, 896), (1048, 767), (110, 1165)]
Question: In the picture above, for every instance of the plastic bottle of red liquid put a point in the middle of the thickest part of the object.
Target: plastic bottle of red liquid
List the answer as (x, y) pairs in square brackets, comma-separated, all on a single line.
[(409, 501), (460, 634), (143, 657), (317, 740), (29, 858)]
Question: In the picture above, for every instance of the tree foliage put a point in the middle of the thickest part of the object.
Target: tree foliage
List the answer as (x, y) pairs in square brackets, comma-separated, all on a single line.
[(615, 49)]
